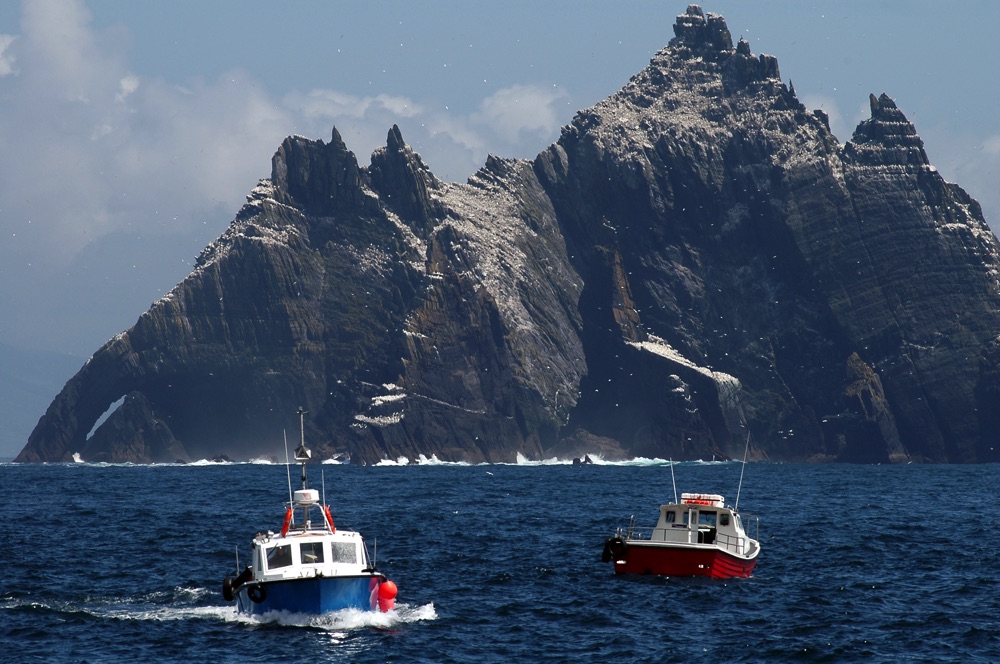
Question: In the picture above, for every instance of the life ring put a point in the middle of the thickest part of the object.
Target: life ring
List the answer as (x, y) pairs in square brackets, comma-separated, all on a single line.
[(257, 594), (288, 522), (617, 547)]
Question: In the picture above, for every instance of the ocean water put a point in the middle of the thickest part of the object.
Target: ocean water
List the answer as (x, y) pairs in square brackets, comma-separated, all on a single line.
[(501, 563)]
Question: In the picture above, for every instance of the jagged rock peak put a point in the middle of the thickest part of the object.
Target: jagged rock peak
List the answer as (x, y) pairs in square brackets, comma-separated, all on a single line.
[(320, 178), (887, 124), (403, 155), (404, 183), (707, 38), (888, 133), (743, 69), (698, 32), (397, 148)]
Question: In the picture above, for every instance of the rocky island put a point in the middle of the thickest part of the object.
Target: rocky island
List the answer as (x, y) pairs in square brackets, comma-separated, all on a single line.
[(696, 258)]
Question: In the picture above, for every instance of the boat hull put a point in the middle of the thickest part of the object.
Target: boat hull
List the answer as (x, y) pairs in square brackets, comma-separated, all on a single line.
[(313, 596), (641, 557)]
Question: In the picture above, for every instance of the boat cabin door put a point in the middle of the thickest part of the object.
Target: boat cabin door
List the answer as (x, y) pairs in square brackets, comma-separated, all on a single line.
[(701, 525)]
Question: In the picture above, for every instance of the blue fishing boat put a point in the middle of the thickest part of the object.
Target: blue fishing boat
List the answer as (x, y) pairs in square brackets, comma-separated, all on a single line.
[(310, 566)]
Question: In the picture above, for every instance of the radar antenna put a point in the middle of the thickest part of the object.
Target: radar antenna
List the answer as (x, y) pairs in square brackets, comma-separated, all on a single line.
[(302, 453)]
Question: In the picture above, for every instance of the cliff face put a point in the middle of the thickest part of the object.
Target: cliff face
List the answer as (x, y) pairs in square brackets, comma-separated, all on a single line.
[(695, 254)]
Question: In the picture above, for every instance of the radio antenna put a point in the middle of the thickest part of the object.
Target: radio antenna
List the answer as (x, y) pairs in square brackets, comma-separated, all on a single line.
[(740, 487), (288, 466), (673, 480)]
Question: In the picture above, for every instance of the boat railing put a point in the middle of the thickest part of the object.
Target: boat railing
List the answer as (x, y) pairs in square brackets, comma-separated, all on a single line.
[(742, 544), (734, 543), (633, 532), (751, 522)]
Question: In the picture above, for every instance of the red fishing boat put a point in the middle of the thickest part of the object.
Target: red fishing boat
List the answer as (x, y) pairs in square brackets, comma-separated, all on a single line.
[(697, 536)]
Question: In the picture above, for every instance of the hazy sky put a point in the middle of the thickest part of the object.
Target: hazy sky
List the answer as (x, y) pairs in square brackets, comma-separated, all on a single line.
[(131, 132)]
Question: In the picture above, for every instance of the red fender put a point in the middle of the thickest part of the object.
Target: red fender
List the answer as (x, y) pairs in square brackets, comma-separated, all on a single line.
[(329, 517), (288, 522)]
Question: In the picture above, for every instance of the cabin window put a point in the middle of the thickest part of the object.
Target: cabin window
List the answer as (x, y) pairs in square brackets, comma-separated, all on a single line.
[(311, 552), (723, 520), (343, 552), (279, 556), (670, 517), (706, 518)]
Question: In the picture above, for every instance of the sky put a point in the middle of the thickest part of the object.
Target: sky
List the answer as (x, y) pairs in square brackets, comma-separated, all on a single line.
[(131, 132)]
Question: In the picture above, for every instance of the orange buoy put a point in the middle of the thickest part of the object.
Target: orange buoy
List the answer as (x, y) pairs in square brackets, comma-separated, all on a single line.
[(387, 590), (288, 522), (329, 517), (386, 595)]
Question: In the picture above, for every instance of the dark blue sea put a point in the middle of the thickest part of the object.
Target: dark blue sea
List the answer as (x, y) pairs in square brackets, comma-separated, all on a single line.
[(501, 563)]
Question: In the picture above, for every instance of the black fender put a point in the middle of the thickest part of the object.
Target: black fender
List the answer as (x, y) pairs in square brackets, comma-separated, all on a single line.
[(244, 576), (614, 547), (231, 585)]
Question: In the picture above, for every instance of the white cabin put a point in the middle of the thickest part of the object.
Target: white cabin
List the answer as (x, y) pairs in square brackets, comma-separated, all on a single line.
[(309, 554), (702, 518)]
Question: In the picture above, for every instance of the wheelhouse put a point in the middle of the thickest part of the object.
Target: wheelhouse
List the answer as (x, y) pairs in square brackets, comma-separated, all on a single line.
[(702, 519), (325, 554)]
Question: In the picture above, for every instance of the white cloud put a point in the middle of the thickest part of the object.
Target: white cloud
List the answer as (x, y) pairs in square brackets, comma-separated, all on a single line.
[(61, 57), (520, 109), (7, 59), (93, 149), (102, 161), (516, 121), (331, 105), (991, 146), (127, 86)]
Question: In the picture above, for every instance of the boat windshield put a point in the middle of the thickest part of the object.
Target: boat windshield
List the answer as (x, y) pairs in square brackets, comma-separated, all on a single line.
[(706, 518), (311, 552), (279, 556), (344, 552)]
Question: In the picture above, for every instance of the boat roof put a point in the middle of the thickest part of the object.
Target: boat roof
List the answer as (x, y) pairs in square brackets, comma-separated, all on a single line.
[(700, 499)]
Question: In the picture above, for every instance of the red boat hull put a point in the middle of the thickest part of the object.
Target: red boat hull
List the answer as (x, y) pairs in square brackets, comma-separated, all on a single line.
[(690, 560)]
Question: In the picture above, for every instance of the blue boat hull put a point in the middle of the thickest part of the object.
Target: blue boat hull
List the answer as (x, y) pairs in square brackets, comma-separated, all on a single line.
[(311, 596)]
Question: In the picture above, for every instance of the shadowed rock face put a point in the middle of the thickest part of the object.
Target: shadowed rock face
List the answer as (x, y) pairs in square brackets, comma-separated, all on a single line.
[(695, 254)]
